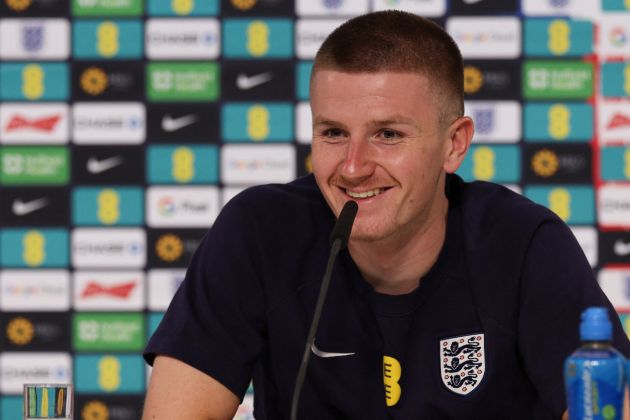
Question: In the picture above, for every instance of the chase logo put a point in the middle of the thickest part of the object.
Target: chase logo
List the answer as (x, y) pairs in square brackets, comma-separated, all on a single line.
[(34, 39), (120, 206), (107, 39), (169, 39), (558, 79), (34, 165), (257, 122), (100, 8), (183, 7), (18, 368), (615, 163), (34, 81), (109, 247), (268, 38), (558, 37), (185, 164), (492, 163), (109, 374), (183, 81), (34, 248), (616, 79), (108, 122), (615, 5), (561, 122), (495, 121), (573, 204), (613, 206)]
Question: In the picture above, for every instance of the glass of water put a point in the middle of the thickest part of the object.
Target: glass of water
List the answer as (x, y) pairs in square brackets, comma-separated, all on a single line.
[(48, 401)]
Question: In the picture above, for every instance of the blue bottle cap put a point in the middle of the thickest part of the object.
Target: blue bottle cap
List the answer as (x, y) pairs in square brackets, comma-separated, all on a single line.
[(595, 325)]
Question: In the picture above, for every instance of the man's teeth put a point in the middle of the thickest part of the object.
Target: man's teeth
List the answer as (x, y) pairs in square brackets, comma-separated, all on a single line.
[(364, 194)]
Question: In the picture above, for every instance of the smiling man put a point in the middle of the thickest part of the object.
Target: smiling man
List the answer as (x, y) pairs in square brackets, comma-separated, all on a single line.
[(453, 300)]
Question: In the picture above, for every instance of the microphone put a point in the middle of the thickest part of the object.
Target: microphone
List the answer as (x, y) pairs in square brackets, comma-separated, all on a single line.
[(338, 240)]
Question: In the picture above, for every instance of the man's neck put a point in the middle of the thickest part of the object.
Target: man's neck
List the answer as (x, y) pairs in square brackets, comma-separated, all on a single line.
[(395, 265)]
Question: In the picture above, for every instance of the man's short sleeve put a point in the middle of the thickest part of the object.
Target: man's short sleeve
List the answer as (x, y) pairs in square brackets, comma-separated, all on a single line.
[(556, 286), (215, 321)]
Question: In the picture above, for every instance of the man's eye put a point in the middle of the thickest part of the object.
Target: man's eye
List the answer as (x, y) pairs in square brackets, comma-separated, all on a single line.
[(333, 132), (390, 134)]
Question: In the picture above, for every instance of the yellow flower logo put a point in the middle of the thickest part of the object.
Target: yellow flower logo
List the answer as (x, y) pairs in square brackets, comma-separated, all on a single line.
[(243, 4), (545, 163), (94, 81), (20, 331), (19, 5), (169, 247), (473, 79), (94, 410)]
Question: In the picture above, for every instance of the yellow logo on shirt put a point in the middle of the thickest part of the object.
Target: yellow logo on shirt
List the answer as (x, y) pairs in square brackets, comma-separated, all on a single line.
[(391, 375)]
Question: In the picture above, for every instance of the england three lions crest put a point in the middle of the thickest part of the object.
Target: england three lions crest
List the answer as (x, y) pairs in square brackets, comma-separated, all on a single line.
[(463, 362)]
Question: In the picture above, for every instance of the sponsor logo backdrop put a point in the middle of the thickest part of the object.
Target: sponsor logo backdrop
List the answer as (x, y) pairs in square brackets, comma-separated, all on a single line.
[(126, 125)]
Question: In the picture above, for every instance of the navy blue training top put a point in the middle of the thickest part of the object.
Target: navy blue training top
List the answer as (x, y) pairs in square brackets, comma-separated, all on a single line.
[(483, 337)]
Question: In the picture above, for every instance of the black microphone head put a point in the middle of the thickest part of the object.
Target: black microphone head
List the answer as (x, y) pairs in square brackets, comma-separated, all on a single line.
[(343, 226)]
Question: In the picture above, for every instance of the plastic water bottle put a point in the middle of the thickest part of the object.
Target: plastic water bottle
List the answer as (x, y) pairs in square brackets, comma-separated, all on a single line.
[(594, 373)]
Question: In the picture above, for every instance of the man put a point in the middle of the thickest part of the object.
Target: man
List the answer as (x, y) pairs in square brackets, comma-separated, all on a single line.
[(453, 300)]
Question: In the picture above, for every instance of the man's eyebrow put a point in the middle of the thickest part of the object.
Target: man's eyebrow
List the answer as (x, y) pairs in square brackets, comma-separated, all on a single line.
[(326, 121)]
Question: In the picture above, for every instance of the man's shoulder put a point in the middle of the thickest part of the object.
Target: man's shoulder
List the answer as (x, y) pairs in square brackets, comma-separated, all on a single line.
[(488, 207), (272, 209)]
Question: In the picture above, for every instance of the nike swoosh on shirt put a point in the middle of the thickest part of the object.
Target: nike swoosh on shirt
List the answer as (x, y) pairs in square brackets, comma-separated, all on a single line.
[(326, 354), (95, 166), (22, 208), (245, 82), (171, 124), (622, 248)]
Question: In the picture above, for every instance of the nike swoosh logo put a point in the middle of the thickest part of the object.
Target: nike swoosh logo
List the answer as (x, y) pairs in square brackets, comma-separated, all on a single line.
[(171, 124), (95, 166), (326, 354), (245, 82), (22, 208), (622, 248)]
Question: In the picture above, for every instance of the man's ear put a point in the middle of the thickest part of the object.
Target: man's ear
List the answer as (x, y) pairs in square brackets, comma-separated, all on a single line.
[(458, 137)]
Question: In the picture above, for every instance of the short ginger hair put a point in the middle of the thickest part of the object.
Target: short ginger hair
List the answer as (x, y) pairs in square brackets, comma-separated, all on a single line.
[(396, 41)]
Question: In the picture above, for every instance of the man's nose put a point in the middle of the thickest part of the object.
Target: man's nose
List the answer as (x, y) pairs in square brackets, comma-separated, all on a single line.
[(358, 161)]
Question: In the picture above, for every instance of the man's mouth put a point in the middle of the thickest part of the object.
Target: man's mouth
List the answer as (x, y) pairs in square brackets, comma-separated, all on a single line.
[(365, 194)]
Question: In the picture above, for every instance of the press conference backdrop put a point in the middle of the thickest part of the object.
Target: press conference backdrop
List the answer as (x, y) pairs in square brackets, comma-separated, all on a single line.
[(125, 125)]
